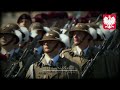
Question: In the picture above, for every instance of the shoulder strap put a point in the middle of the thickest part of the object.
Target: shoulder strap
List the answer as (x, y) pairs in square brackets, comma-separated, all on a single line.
[(40, 61)]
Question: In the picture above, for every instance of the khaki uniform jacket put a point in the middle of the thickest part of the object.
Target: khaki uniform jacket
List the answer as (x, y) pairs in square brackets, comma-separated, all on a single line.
[(80, 60), (64, 69)]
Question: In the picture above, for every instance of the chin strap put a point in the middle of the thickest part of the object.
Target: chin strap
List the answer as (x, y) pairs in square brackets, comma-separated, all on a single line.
[(53, 48), (83, 39)]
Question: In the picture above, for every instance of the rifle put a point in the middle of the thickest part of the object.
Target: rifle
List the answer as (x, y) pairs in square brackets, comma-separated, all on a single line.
[(115, 40), (30, 55), (92, 61), (12, 64), (111, 44), (28, 52)]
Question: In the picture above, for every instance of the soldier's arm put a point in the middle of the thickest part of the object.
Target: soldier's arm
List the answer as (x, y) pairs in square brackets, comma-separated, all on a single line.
[(64, 53), (73, 68)]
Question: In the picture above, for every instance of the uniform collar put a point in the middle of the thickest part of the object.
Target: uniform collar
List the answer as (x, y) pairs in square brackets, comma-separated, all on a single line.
[(39, 50), (17, 50), (8, 54), (47, 58), (11, 52), (85, 50), (78, 51), (55, 59), (3, 51)]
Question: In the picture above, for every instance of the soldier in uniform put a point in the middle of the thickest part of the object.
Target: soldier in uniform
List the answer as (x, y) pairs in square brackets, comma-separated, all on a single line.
[(51, 65), (12, 43), (32, 53), (8, 40), (81, 51), (14, 28)]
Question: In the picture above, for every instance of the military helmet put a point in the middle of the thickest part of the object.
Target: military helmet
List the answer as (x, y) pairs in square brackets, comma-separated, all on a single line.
[(10, 27), (55, 29), (64, 38), (14, 30), (24, 16), (34, 27), (80, 27), (51, 36)]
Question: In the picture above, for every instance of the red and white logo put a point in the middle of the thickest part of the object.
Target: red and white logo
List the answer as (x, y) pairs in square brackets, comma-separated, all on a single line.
[(109, 21)]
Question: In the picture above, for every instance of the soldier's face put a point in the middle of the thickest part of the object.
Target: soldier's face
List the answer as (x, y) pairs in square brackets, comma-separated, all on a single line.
[(49, 45), (5, 39), (25, 23), (77, 37)]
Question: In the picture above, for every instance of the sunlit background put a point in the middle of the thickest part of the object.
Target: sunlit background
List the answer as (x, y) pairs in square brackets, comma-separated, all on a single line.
[(11, 17)]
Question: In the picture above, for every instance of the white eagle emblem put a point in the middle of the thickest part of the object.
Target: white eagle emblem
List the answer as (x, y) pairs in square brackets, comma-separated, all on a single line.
[(48, 34), (109, 21)]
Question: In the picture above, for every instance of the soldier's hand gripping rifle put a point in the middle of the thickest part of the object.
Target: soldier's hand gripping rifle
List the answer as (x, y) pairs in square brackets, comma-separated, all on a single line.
[(27, 56)]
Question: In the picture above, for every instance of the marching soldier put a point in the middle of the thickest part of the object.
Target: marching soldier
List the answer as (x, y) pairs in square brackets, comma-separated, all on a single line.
[(81, 51), (9, 39), (51, 65), (32, 51)]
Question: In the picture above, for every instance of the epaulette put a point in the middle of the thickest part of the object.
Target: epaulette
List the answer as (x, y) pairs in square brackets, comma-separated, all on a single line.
[(64, 51), (39, 63)]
